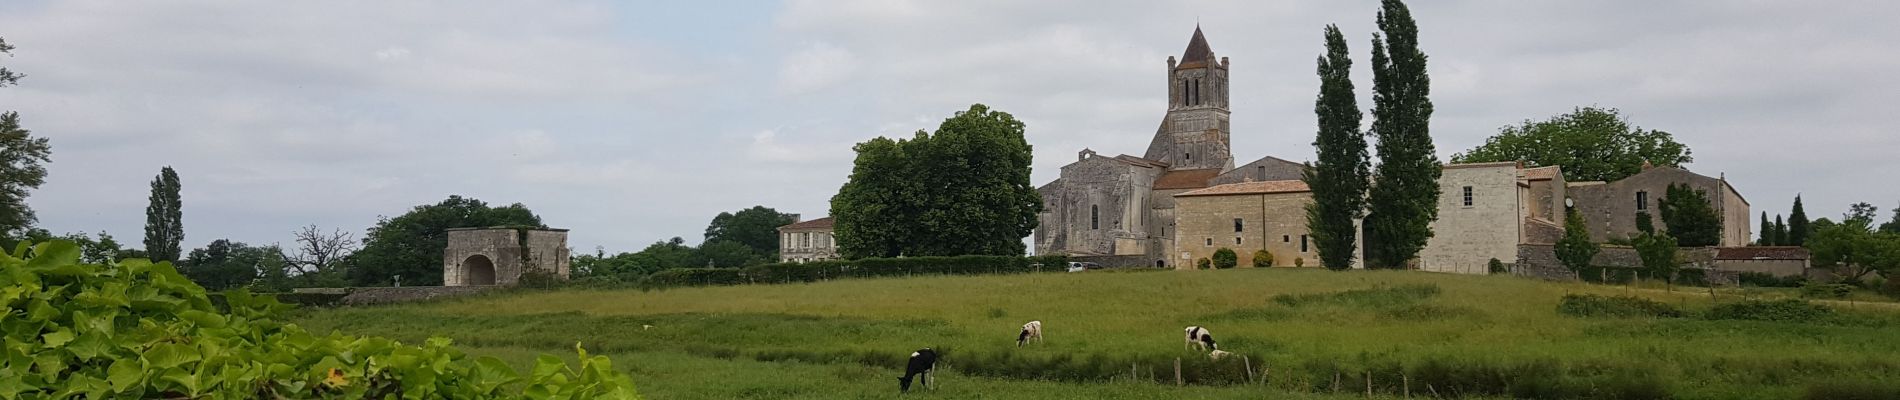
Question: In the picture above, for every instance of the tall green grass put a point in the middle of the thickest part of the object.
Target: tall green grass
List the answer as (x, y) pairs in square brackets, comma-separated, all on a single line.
[(1296, 331)]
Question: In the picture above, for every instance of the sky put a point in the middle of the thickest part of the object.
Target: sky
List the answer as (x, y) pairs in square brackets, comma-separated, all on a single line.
[(630, 123)]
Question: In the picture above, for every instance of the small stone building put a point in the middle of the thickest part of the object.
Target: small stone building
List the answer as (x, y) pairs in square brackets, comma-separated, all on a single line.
[(1244, 217), (1485, 210), (498, 256), (807, 241)]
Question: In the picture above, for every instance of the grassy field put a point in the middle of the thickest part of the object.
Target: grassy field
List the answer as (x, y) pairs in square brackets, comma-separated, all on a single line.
[(1116, 335)]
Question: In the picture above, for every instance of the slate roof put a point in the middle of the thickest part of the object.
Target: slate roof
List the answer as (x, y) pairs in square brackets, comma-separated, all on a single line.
[(1198, 53), (1268, 187)]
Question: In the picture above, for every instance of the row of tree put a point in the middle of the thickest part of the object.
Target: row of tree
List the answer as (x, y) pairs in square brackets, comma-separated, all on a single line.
[(1397, 211)]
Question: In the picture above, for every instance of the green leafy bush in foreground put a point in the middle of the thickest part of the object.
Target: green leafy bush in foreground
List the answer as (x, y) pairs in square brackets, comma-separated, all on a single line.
[(135, 329), (1789, 310)]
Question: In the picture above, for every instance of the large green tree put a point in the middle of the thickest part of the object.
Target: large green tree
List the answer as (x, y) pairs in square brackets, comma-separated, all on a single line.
[(1404, 197), (1592, 144), (1852, 248), (164, 218), (963, 189), (1575, 250), (226, 264), (22, 163), (756, 228), (411, 245), (1798, 228), (1657, 250), (1339, 179), (1690, 217), (1781, 232)]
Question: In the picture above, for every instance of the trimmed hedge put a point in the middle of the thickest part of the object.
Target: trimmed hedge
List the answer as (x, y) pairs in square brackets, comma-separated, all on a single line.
[(863, 268)]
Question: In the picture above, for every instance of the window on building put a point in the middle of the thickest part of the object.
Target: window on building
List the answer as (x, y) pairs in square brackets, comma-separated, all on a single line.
[(1286, 239), (1642, 201), (1210, 241), (1187, 156), (1238, 226), (1095, 217), (1302, 243), (1467, 196), (1236, 240), (806, 239), (1261, 171)]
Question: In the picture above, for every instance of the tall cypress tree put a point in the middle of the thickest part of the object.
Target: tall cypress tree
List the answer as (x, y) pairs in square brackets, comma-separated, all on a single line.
[(1404, 197), (164, 218), (1798, 229), (1781, 232), (1767, 232), (1339, 179)]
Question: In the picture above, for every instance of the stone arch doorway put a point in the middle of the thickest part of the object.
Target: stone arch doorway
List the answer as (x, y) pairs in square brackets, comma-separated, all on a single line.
[(478, 270)]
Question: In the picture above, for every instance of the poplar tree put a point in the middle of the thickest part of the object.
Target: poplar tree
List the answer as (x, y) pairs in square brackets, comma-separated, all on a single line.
[(1339, 179), (1781, 232), (1767, 232), (1798, 228), (164, 218), (1404, 198)]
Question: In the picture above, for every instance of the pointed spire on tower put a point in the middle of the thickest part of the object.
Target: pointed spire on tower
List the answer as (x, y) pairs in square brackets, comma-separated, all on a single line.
[(1197, 49)]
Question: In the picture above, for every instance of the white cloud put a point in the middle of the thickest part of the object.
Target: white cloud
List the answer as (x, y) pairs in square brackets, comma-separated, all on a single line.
[(391, 53), (815, 66)]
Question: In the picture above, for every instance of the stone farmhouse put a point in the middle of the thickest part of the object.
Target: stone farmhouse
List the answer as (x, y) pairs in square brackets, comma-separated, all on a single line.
[(806, 241)]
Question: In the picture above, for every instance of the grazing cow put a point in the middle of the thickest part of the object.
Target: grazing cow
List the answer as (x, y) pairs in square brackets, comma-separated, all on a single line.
[(921, 362), (1198, 336), (1216, 355), (1031, 331)]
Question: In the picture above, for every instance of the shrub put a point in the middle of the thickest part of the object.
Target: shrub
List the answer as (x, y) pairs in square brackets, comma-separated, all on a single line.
[(1374, 297), (1761, 279), (1496, 267), (134, 329), (1891, 288), (1789, 310), (1262, 258), (1225, 258), (538, 279), (1826, 291), (1590, 305), (1203, 263), (1299, 262), (694, 277)]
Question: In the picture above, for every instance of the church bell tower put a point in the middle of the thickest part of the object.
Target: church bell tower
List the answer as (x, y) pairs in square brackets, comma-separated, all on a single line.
[(1195, 134)]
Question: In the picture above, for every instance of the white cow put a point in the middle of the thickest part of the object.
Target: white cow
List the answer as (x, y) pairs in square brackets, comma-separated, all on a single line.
[(1031, 331), (1198, 336)]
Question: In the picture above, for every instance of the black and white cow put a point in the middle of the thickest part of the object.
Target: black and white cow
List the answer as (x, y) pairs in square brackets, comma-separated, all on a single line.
[(1198, 336), (1031, 331), (921, 362)]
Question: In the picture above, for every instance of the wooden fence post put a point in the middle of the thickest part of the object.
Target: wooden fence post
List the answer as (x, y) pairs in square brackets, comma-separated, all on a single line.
[(1407, 382), (1248, 362), (1368, 375)]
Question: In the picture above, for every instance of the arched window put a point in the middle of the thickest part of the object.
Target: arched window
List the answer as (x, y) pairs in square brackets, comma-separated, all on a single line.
[(1184, 92), (1195, 93), (1095, 217)]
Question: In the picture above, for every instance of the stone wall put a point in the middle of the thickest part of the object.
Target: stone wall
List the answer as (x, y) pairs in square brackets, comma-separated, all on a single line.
[(1467, 237), (1262, 170), (1117, 261), (1098, 207), (1540, 261), (388, 295), (498, 256)]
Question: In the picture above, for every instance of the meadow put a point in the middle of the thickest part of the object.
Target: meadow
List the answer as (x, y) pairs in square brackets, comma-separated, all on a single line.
[(1300, 333)]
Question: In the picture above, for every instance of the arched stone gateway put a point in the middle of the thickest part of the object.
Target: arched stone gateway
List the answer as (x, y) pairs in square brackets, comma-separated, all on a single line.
[(478, 270), (500, 255)]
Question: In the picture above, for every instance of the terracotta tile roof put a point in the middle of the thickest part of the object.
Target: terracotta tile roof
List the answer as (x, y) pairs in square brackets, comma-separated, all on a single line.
[(1761, 253), (1186, 179), (821, 223), (1482, 165), (1267, 187), (1541, 173)]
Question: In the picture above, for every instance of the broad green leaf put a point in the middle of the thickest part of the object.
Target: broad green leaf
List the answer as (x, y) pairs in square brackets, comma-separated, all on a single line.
[(57, 338), (55, 253), (168, 355), (125, 374), (202, 318)]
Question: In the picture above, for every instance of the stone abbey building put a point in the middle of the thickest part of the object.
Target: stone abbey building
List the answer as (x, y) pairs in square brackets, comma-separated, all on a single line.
[(1124, 205), (1185, 198)]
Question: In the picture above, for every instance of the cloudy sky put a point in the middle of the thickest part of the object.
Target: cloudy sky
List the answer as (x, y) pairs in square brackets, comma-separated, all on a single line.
[(630, 123)]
